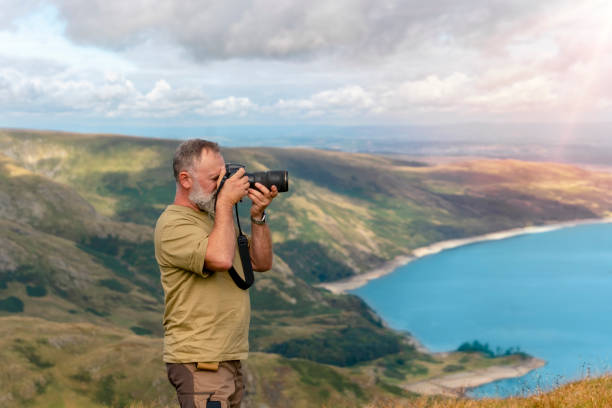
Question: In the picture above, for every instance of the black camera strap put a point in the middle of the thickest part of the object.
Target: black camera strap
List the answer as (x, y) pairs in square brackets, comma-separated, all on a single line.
[(245, 258), (243, 250)]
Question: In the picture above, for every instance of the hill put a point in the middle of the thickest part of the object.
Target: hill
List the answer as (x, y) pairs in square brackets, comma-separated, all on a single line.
[(76, 218), (52, 364)]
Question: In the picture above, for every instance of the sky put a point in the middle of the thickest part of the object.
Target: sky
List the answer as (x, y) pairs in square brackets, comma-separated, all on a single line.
[(108, 64)]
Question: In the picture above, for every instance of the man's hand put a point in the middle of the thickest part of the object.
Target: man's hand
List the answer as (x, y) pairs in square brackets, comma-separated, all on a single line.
[(261, 198), (234, 189)]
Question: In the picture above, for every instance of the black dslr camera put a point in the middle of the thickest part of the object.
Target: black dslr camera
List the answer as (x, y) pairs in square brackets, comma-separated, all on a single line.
[(278, 178)]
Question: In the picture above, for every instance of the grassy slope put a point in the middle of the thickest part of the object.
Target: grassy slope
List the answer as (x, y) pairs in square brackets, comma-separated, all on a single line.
[(94, 200), (52, 364), (86, 266), (587, 393), (350, 212)]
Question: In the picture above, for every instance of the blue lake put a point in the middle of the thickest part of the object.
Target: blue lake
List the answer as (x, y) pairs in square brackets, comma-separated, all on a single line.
[(547, 293)]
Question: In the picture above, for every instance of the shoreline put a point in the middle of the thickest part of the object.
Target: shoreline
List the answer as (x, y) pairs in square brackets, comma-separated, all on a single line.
[(357, 281), (456, 385)]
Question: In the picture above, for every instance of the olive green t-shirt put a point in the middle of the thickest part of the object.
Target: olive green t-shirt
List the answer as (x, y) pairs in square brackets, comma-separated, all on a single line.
[(206, 315)]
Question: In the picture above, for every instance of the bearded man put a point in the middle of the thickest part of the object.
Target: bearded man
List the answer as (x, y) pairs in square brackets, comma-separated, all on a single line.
[(206, 318)]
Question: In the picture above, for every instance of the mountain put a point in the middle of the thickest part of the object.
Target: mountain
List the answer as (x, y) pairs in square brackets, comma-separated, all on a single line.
[(584, 143), (76, 258)]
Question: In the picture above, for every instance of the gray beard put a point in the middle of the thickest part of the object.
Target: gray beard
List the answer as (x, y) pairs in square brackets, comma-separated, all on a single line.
[(205, 202)]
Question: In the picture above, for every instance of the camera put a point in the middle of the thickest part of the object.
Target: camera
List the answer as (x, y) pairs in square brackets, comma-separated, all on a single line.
[(278, 178)]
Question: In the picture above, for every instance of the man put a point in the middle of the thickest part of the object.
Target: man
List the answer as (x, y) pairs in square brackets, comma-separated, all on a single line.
[(206, 318)]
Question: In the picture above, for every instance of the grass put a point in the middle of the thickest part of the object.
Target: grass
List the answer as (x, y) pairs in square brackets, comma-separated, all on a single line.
[(586, 393), (105, 366)]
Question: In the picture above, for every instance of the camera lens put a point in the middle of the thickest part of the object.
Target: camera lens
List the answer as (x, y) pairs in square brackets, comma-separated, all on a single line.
[(278, 178)]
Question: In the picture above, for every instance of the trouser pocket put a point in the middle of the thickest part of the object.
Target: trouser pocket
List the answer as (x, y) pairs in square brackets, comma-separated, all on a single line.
[(197, 400)]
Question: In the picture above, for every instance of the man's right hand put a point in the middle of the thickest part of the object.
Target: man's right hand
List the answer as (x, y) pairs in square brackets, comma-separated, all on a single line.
[(234, 189)]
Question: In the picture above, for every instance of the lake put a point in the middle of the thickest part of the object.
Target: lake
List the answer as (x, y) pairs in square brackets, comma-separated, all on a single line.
[(547, 293)]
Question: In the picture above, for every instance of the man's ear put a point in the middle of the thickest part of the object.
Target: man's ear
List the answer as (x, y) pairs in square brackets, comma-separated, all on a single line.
[(185, 180)]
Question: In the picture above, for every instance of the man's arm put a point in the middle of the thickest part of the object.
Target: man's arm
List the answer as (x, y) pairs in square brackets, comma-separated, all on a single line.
[(261, 240), (222, 239)]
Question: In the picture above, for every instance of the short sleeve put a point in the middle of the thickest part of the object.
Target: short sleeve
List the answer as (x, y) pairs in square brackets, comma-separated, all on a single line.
[(183, 245)]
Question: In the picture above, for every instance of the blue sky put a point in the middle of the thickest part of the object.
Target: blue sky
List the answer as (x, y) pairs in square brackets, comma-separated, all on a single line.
[(112, 65)]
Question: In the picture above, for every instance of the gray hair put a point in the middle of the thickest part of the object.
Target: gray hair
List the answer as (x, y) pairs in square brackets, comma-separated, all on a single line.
[(188, 152)]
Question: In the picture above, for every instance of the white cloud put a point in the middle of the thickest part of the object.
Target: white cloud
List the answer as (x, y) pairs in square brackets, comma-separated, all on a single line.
[(359, 60), (160, 91), (228, 106), (345, 101), (534, 93), (431, 91), (114, 96)]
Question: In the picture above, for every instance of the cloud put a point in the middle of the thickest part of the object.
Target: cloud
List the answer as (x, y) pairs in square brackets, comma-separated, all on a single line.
[(229, 106), (358, 60), (113, 96), (280, 29), (431, 91), (11, 10), (347, 100)]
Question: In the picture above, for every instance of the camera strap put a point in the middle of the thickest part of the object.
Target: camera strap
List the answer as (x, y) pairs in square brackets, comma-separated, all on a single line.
[(243, 250), (245, 258)]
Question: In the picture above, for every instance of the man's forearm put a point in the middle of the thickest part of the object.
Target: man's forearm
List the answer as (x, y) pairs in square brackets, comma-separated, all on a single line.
[(222, 240), (261, 247)]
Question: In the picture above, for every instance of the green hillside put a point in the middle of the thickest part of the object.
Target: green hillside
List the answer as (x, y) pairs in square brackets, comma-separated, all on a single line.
[(76, 222), (51, 364)]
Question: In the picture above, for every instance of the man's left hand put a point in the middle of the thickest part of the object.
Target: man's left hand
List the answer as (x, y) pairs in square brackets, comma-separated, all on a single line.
[(261, 198)]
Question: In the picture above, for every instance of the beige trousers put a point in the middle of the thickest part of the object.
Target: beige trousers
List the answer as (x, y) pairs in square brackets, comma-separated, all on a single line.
[(195, 387)]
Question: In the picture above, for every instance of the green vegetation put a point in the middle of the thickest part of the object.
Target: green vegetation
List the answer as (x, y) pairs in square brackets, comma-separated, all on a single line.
[(114, 284), (11, 304), (47, 364), (141, 331), (36, 290), (76, 233), (30, 352), (451, 368), (311, 262), (105, 392), (321, 376), (343, 347), (82, 375), (477, 347), (394, 389)]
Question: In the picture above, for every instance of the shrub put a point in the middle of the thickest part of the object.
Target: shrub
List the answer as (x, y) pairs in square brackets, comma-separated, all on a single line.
[(11, 304), (31, 354), (105, 393), (477, 347), (36, 291), (141, 331), (311, 261), (319, 375), (451, 368), (114, 284), (344, 347), (82, 375)]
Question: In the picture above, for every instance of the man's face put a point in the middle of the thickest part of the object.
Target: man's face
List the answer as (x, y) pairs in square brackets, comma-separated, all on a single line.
[(206, 175)]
